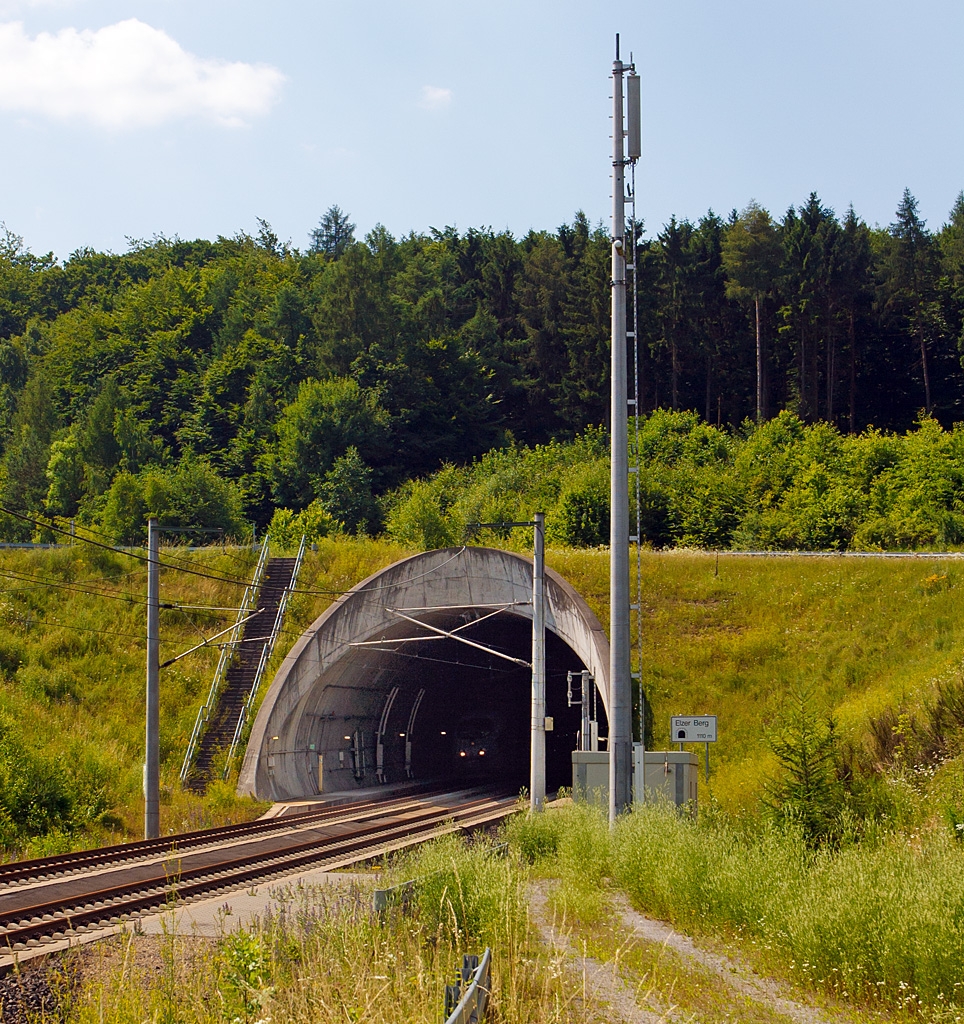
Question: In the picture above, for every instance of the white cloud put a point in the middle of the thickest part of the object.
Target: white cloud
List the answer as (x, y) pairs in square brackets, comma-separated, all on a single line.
[(435, 98), (127, 75)]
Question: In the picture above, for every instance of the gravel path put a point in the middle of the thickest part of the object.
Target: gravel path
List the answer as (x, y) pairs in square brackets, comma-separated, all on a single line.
[(603, 984), (35, 992), (734, 972)]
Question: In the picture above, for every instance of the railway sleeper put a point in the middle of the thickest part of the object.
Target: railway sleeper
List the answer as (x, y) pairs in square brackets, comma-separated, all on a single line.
[(202, 883)]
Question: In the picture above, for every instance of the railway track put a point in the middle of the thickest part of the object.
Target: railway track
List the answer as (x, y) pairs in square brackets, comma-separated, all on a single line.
[(57, 898), (46, 867)]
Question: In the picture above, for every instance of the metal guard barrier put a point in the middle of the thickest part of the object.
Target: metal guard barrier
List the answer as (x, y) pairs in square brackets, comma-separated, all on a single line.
[(471, 1006)]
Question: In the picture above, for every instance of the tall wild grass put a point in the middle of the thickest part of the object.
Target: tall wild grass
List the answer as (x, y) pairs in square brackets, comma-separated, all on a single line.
[(322, 955), (880, 922)]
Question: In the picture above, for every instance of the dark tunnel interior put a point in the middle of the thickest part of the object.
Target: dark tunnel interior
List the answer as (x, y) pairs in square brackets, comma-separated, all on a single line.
[(472, 723)]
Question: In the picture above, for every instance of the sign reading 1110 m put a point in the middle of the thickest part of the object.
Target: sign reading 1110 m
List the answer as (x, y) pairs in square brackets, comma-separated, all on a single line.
[(693, 729)]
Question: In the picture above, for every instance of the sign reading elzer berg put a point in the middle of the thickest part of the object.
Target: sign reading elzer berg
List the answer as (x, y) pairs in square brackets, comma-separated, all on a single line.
[(693, 729)]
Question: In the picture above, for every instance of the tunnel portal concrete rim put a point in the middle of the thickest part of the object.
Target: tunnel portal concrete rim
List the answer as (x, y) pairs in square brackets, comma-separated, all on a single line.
[(310, 695)]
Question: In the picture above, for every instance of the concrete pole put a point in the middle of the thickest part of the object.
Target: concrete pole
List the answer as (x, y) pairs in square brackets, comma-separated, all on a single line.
[(620, 689), (537, 752), (152, 766)]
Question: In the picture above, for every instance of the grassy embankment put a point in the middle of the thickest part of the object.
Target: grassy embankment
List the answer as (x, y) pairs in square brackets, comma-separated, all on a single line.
[(739, 637), (731, 636), (72, 683)]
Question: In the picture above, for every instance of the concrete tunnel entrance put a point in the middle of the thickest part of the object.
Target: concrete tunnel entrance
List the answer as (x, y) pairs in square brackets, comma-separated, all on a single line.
[(373, 693)]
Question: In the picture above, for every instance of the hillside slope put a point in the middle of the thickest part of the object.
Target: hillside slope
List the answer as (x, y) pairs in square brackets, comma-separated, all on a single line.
[(72, 677), (872, 641)]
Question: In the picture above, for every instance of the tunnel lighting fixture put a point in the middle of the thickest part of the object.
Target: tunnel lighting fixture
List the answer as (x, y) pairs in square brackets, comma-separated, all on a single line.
[(481, 753), (348, 738), (444, 733), (401, 734), (461, 753)]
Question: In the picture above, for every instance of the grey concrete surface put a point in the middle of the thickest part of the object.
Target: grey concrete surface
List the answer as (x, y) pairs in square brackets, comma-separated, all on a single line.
[(328, 688)]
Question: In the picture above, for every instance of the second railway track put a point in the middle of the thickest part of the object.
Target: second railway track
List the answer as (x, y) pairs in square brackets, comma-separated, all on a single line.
[(62, 897)]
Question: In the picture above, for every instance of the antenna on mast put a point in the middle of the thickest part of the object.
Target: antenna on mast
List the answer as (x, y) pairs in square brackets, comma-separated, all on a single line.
[(620, 709)]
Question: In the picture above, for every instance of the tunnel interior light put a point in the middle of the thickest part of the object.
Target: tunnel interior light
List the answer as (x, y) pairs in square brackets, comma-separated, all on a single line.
[(444, 733), (348, 738), (461, 753), (401, 734), (481, 753)]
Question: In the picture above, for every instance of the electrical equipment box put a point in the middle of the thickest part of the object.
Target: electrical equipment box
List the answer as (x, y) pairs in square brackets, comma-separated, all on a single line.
[(670, 776), (590, 777)]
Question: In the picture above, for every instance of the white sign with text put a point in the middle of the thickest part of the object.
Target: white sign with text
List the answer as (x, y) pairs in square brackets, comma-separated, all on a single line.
[(693, 729)]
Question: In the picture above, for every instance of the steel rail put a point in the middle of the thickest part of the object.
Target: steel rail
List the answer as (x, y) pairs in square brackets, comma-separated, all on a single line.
[(172, 867), (105, 907), (59, 865)]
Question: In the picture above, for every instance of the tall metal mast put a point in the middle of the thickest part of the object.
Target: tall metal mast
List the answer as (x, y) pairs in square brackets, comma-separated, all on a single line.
[(152, 744), (620, 743), (537, 758), (620, 683)]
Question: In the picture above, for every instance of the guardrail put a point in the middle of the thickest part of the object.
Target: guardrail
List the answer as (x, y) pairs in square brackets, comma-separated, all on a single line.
[(395, 895), (266, 652), (227, 651), (466, 1000)]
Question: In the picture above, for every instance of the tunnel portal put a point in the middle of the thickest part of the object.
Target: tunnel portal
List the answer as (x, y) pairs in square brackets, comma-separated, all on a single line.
[(379, 690)]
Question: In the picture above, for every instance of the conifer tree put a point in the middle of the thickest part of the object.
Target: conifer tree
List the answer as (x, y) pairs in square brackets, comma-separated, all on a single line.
[(752, 255)]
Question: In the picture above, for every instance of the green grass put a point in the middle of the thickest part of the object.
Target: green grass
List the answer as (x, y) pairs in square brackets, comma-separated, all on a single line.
[(321, 954), (723, 635), (879, 922), (878, 925), (736, 636), (72, 682)]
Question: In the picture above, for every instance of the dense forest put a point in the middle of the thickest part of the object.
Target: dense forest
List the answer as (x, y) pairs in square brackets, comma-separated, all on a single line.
[(213, 383)]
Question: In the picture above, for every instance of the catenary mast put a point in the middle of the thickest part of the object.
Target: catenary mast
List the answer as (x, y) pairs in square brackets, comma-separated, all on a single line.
[(620, 680)]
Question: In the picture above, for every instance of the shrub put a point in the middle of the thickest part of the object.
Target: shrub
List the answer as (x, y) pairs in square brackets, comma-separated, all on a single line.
[(287, 527), (583, 511), (192, 496), (417, 519), (535, 837)]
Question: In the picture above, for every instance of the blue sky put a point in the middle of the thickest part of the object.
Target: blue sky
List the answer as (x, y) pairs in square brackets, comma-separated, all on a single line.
[(126, 118)]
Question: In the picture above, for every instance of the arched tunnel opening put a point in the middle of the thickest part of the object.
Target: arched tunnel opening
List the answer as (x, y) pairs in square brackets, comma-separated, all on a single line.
[(473, 718), (421, 672)]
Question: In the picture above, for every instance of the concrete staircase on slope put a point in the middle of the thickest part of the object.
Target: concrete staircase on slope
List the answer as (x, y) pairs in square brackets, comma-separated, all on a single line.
[(226, 718)]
